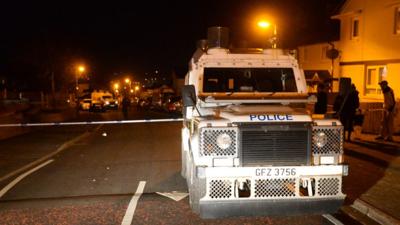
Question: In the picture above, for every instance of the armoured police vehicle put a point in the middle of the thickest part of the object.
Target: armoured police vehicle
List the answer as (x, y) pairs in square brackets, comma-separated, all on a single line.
[(249, 144)]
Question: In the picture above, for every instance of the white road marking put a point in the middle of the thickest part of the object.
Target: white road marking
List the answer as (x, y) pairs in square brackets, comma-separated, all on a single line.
[(127, 220), (174, 195), (332, 219), (58, 150), (22, 176)]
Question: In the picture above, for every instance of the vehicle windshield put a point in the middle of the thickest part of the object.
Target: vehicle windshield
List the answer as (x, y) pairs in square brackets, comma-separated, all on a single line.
[(249, 80), (107, 97)]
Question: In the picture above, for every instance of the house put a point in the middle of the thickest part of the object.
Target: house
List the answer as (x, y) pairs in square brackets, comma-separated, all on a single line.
[(317, 66), (369, 48)]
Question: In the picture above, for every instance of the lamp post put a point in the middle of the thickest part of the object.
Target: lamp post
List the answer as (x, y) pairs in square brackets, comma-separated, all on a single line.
[(136, 89), (263, 24), (79, 70), (128, 86), (116, 88)]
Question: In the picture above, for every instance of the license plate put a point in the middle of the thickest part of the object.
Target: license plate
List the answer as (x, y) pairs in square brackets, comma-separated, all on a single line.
[(276, 172)]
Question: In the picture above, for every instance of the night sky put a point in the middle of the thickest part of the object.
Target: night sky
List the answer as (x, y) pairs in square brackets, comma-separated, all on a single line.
[(140, 37)]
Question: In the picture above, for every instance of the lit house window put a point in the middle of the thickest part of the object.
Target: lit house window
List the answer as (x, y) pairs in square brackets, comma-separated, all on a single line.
[(355, 28), (397, 20), (374, 75)]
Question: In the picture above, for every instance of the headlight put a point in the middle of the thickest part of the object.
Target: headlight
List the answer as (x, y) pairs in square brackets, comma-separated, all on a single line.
[(107, 102), (224, 141), (327, 145), (218, 141), (320, 139)]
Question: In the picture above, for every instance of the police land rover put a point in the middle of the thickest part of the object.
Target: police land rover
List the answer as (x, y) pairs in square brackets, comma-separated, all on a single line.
[(249, 144)]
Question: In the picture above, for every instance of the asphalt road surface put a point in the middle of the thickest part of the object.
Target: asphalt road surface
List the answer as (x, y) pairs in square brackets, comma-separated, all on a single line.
[(114, 174)]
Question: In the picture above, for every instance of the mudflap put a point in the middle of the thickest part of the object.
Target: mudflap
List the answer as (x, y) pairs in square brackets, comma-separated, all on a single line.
[(197, 190), (221, 209)]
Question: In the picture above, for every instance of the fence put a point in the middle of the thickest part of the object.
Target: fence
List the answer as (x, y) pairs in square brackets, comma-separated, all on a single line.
[(373, 112)]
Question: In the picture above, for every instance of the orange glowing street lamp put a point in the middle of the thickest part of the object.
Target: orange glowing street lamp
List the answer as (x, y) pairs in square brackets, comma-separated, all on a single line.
[(80, 69), (264, 24), (128, 83)]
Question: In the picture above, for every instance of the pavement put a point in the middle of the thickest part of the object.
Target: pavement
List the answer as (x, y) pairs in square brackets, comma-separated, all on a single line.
[(15, 113), (381, 201)]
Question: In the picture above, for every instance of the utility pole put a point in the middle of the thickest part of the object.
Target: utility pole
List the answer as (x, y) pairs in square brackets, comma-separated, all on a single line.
[(53, 90)]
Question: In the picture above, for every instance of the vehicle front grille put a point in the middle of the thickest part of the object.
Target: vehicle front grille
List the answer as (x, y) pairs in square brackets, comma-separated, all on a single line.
[(279, 187), (275, 145), (274, 188)]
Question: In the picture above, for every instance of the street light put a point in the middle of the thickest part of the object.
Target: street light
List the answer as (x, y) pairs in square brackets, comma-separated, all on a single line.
[(80, 70), (128, 84), (263, 24)]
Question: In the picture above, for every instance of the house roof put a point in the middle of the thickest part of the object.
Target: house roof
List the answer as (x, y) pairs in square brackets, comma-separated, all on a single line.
[(340, 6), (317, 75), (343, 12)]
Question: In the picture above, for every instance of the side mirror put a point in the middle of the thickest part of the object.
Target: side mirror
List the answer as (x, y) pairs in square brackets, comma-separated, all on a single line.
[(188, 95)]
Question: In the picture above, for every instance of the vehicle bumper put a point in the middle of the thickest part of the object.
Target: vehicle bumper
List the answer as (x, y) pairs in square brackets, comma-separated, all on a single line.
[(270, 190), (96, 107), (111, 106), (243, 207)]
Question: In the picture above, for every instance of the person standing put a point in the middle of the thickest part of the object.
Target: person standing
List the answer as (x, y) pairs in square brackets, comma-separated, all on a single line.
[(347, 111), (320, 106), (389, 104), (125, 106)]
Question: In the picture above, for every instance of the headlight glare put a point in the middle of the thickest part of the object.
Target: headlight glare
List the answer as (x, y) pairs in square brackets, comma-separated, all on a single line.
[(224, 141), (320, 139)]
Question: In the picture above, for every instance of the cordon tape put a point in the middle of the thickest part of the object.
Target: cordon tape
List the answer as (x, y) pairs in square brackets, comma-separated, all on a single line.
[(90, 122)]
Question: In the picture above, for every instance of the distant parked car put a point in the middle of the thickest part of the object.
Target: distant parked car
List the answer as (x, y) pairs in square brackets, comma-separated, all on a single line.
[(110, 102), (85, 104), (174, 105), (97, 106), (144, 103)]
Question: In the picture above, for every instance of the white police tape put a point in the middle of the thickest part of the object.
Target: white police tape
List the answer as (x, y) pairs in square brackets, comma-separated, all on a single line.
[(89, 122)]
